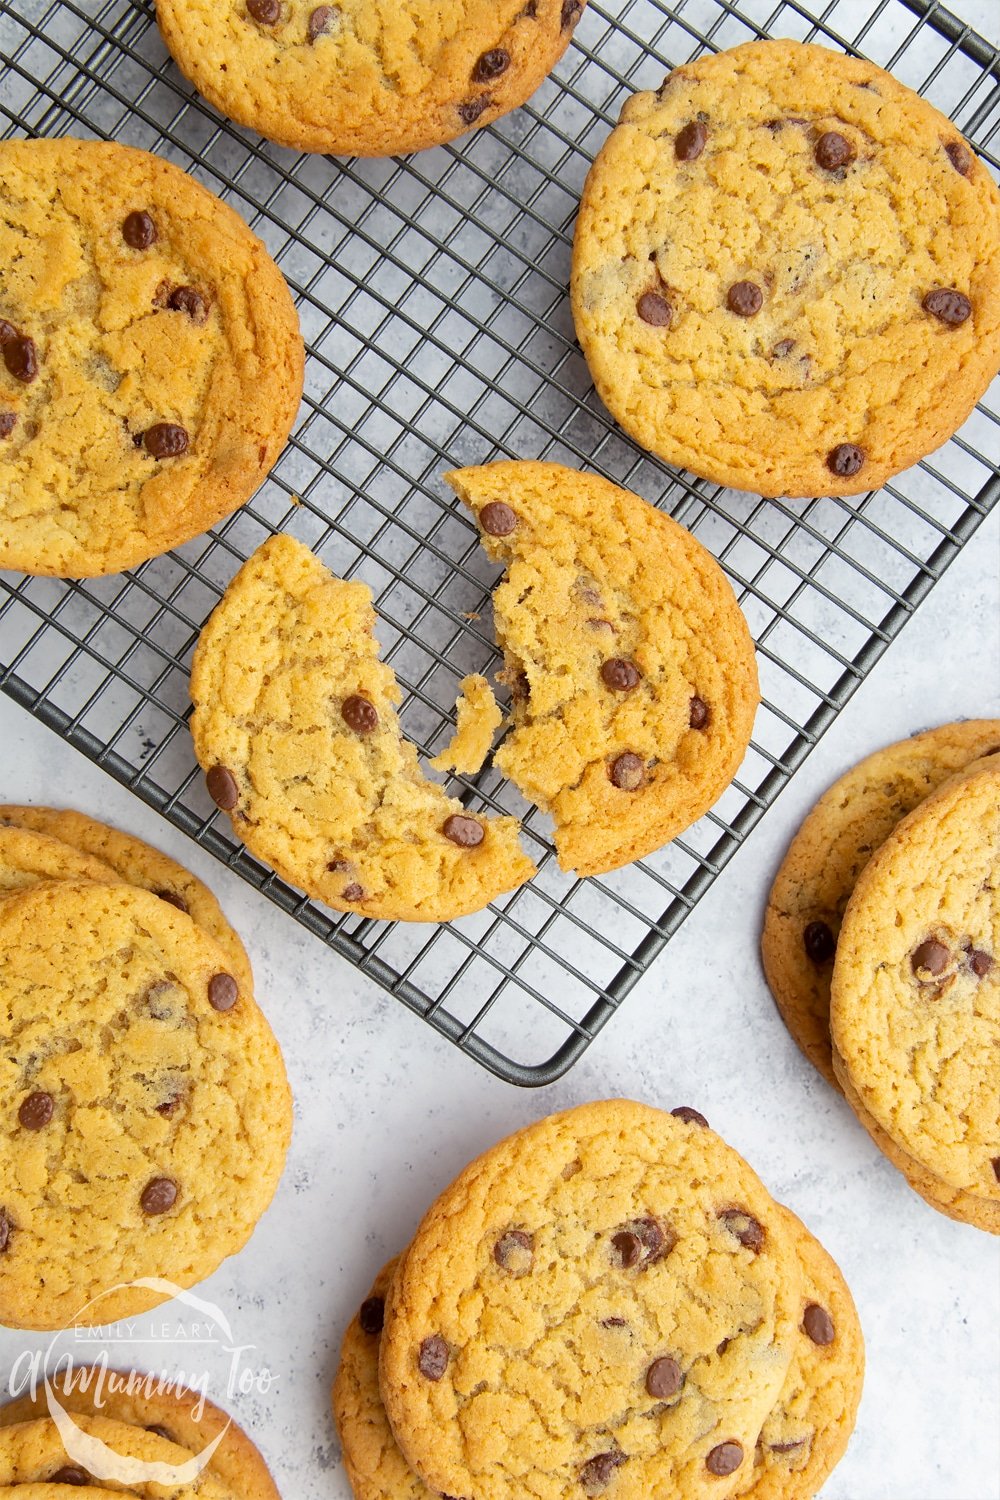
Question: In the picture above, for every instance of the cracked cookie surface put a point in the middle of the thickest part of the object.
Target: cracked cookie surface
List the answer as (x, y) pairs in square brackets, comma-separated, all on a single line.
[(915, 995), (295, 725), (632, 671), (817, 875), (607, 1302), (786, 272), (366, 77), (152, 363), (147, 1112)]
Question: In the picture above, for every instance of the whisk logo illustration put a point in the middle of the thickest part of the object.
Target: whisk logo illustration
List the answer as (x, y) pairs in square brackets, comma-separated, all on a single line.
[(75, 1384)]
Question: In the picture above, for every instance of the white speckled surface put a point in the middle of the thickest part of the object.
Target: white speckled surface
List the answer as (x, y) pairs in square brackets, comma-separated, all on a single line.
[(387, 1113)]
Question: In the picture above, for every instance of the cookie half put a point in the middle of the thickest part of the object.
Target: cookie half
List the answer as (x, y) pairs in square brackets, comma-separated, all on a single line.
[(295, 725), (786, 272), (632, 670), (152, 362), (817, 875)]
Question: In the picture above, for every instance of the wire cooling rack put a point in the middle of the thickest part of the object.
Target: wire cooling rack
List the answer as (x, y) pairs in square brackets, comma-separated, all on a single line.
[(432, 292)]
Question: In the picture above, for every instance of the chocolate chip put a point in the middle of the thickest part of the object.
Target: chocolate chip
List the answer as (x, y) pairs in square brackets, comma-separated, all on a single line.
[(465, 832), (530, 11), (947, 306), (698, 713), (721, 1348), (222, 788), (172, 899), (819, 942), (570, 13), (930, 957), (19, 355), (166, 440), (139, 231), (745, 298), (372, 1315), (690, 142), (782, 348), (7, 1228), (786, 1447), (628, 1248), (353, 893), (167, 1109), (979, 962), (599, 1472), (223, 992), (160, 1432), (627, 772), (664, 1378), (433, 1358), (613, 1323), (158, 1196), (959, 156), (185, 299), (320, 21), (498, 519), (359, 714), (818, 1324), (491, 65), (266, 12), (745, 1227), (832, 151), (471, 110), (515, 1252), (654, 310), (995, 1164), (724, 1459), (36, 1111), (8, 421), (619, 675), (68, 1474), (689, 1116), (657, 1239), (845, 460), (340, 866)]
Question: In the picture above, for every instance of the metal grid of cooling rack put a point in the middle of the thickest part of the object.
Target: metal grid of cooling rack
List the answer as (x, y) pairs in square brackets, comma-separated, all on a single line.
[(432, 292)]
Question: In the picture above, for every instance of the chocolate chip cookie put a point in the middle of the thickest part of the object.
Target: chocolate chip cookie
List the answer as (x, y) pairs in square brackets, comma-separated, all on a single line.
[(366, 77), (147, 1113), (813, 885), (295, 725), (915, 994), (607, 1302), (631, 668), (152, 363), (786, 273), (34, 1453)]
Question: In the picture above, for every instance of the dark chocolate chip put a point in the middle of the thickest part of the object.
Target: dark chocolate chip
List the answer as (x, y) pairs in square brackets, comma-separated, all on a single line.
[(786, 1447), (8, 421), (172, 899), (832, 151), (690, 142), (223, 992), (161, 1432), (664, 1378), (139, 231), (491, 65), (930, 957), (745, 1227), (69, 1474), (185, 299), (320, 21), (498, 519), (571, 12), (340, 866), (599, 1472), (782, 348), (819, 942), (613, 1323), (745, 298), (845, 460), (158, 1196), (979, 962), (654, 309), (995, 1164), (698, 713), (433, 1358), (514, 1252), (7, 1228), (619, 675), (689, 1116), (167, 1109), (353, 893), (20, 356), (222, 788), (166, 440), (947, 306), (818, 1324), (465, 832), (959, 156), (721, 1348), (36, 1111), (359, 714), (372, 1315), (471, 110), (628, 1248), (657, 1239), (266, 12), (627, 772), (724, 1459)]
